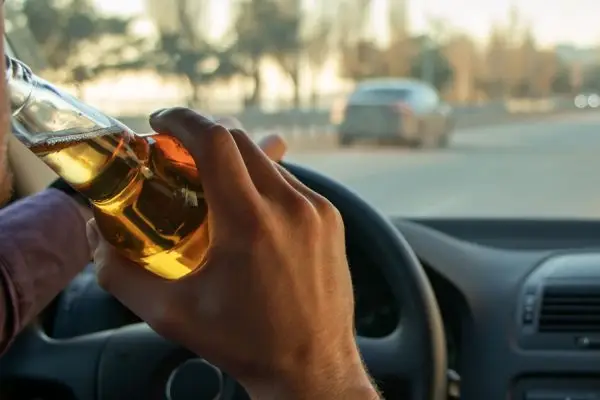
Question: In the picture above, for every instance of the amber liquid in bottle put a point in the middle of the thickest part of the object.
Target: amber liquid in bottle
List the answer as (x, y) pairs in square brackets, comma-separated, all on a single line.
[(146, 192)]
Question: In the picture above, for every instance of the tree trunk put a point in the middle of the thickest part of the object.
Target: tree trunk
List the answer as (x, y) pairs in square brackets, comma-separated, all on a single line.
[(194, 93), (255, 98), (314, 89), (295, 77)]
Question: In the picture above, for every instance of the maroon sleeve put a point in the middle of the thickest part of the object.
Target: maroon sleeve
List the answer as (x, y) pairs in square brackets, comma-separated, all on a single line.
[(43, 246)]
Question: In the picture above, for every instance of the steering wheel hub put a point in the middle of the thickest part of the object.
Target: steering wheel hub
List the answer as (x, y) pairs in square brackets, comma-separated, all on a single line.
[(195, 379)]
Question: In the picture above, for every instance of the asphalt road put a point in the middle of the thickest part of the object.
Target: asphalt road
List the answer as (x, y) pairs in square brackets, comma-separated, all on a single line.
[(549, 168)]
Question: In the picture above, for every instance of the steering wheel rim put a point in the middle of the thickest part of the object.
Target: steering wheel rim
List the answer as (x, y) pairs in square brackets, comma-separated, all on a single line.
[(416, 350)]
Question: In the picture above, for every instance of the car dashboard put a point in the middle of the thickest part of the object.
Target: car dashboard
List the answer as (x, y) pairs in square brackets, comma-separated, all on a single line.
[(520, 301)]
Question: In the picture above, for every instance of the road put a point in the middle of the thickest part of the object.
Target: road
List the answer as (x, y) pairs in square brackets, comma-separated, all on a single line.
[(549, 168)]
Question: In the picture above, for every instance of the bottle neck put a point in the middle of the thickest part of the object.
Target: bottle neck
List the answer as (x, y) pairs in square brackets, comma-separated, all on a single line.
[(44, 113), (21, 83)]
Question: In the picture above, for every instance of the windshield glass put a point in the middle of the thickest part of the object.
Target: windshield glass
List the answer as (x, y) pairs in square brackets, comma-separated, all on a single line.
[(507, 123), (380, 95)]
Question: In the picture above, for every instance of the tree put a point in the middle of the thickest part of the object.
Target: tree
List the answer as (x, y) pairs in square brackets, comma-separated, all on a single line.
[(266, 28), (289, 42), (561, 84), (359, 58), (545, 70), (465, 59), (510, 55), (350, 21), (184, 48), (317, 45), (526, 57), (398, 20), (67, 30), (520, 59), (398, 56), (591, 79), (431, 57), (494, 82), (364, 60)]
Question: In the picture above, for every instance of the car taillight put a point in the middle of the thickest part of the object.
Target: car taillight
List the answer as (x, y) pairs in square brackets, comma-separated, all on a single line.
[(337, 112), (402, 108)]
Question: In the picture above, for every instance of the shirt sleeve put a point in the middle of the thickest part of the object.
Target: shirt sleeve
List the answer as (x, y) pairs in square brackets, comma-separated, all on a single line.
[(43, 246)]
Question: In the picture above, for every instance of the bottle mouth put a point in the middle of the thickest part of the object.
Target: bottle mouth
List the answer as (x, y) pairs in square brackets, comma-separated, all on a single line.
[(16, 68), (21, 83)]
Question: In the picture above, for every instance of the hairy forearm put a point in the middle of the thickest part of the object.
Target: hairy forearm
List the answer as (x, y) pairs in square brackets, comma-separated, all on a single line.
[(355, 386), (343, 379)]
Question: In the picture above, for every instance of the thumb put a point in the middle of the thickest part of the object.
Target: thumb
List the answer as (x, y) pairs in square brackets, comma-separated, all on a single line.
[(273, 146), (135, 287)]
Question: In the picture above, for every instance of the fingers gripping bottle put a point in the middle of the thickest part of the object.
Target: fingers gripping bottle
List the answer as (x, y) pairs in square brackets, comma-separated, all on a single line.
[(145, 189)]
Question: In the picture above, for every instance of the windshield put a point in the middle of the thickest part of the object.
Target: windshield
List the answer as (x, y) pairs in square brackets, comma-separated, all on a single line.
[(506, 122), (380, 95)]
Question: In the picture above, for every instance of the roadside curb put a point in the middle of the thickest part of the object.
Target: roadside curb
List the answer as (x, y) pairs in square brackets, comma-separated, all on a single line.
[(324, 136)]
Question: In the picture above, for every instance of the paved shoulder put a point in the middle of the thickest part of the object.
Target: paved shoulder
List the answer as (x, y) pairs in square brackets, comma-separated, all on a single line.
[(542, 168)]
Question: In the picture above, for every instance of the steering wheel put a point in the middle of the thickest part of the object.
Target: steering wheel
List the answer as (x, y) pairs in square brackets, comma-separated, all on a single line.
[(135, 362)]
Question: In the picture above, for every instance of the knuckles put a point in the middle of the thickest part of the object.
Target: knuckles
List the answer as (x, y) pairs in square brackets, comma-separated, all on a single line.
[(327, 211), (300, 208), (218, 136), (312, 218)]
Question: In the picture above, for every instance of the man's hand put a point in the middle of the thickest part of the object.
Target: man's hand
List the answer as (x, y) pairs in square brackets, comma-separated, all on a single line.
[(273, 303)]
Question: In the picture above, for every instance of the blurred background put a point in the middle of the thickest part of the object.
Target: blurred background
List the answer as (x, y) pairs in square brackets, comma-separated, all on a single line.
[(228, 56), (295, 66)]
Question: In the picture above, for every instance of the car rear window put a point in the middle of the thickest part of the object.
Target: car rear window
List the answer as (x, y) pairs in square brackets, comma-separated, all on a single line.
[(381, 95)]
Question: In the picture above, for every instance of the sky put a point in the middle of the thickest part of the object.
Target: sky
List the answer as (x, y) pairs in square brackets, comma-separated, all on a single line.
[(553, 21)]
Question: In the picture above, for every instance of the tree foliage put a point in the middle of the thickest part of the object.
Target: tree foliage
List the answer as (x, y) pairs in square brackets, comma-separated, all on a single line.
[(67, 31), (413, 57), (267, 29), (77, 43), (430, 64), (184, 49)]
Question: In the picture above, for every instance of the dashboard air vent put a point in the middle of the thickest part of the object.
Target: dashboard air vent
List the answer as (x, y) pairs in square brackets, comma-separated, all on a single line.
[(570, 308)]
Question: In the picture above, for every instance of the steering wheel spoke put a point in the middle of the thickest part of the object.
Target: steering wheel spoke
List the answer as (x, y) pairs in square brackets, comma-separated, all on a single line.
[(70, 362), (125, 363), (392, 356), (137, 362)]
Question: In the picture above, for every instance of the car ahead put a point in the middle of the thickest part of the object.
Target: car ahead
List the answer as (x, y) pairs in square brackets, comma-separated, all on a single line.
[(399, 111)]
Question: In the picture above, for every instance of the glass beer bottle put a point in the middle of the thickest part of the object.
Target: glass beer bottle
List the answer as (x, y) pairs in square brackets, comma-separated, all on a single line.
[(145, 189)]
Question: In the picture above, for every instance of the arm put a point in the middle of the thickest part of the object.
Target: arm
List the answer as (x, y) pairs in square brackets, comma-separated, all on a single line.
[(43, 246), (356, 386), (340, 376)]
